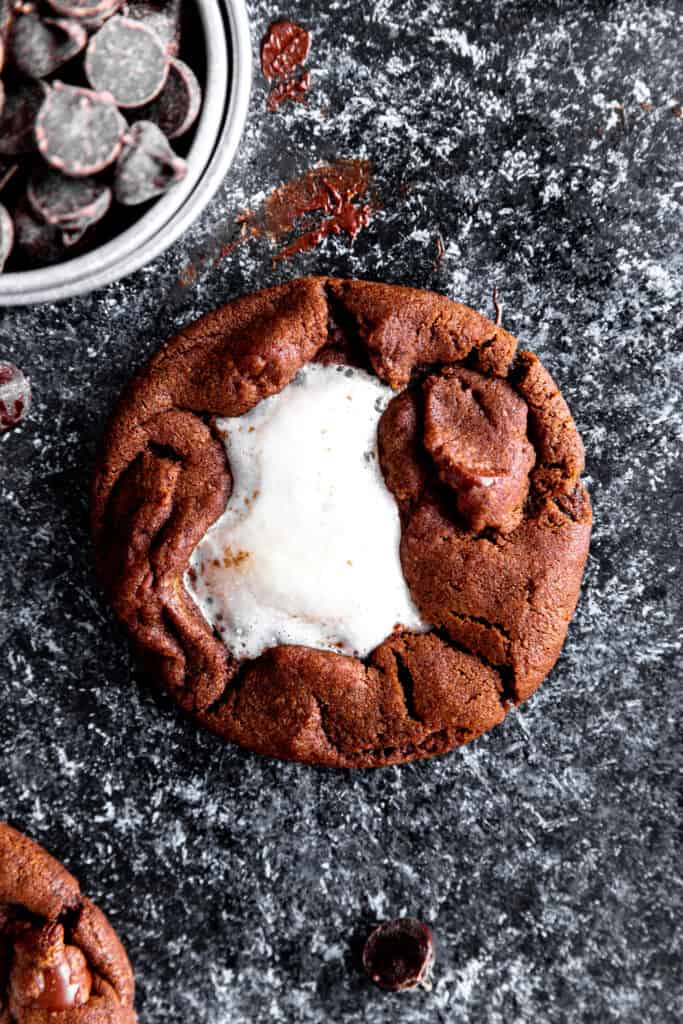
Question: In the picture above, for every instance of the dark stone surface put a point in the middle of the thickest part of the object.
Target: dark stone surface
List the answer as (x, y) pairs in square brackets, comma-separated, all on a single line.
[(544, 856)]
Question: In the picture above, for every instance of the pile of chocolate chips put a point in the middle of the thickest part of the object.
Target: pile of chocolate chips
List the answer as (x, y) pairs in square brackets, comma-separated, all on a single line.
[(91, 92)]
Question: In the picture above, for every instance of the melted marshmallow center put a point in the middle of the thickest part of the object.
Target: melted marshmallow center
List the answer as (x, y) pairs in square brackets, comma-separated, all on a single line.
[(307, 549)]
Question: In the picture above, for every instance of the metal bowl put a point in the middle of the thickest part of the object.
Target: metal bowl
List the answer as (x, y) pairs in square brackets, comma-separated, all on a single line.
[(227, 85)]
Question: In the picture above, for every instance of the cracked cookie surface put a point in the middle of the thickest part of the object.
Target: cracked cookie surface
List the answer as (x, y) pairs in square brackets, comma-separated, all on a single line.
[(60, 960), (482, 456)]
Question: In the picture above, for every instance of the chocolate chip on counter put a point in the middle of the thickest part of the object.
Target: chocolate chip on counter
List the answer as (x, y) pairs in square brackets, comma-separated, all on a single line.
[(39, 46), (15, 396), (399, 954), (72, 204), (6, 236), (147, 166), (23, 101), (79, 132), (128, 60), (176, 107)]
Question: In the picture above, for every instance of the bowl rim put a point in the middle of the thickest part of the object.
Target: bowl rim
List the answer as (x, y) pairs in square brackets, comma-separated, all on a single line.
[(227, 92)]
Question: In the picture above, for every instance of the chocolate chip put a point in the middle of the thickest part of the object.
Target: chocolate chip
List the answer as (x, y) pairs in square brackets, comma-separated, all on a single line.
[(42, 243), (72, 204), (23, 101), (6, 236), (176, 107), (79, 132), (7, 172), (399, 954), (85, 9), (128, 60), (147, 166), (15, 396), (163, 17), (41, 45), (6, 17)]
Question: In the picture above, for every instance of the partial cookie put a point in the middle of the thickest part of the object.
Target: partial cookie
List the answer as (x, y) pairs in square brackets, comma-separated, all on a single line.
[(483, 461), (60, 960)]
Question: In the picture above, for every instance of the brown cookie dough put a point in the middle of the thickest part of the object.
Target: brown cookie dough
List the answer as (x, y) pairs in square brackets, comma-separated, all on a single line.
[(483, 458), (60, 960)]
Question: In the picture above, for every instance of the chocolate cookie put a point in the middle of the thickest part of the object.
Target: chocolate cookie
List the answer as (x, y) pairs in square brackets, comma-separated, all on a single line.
[(480, 453), (60, 960)]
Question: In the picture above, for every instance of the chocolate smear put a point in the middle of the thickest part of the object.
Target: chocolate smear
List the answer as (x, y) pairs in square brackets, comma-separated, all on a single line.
[(284, 49)]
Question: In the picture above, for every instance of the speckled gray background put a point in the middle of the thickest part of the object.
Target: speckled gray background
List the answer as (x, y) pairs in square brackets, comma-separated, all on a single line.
[(542, 142)]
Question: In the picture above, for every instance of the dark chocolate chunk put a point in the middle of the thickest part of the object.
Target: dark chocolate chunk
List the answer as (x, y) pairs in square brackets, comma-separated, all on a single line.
[(399, 954), (6, 236), (128, 60), (176, 107), (23, 100), (163, 17), (15, 396), (79, 132), (41, 45), (72, 204), (147, 166)]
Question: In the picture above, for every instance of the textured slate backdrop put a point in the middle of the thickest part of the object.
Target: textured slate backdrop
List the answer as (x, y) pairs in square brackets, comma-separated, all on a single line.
[(543, 855)]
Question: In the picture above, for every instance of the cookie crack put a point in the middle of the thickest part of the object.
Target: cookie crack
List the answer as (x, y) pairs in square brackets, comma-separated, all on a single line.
[(507, 694), (496, 627), (231, 690), (407, 684), (323, 724)]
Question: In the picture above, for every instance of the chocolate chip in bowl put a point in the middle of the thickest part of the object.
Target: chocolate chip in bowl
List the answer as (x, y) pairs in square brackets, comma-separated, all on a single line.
[(146, 100)]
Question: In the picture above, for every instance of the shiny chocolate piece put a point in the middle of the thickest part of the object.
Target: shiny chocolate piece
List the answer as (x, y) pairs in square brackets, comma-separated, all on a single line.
[(399, 955), (475, 431), (47, 974), (284, 48)]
